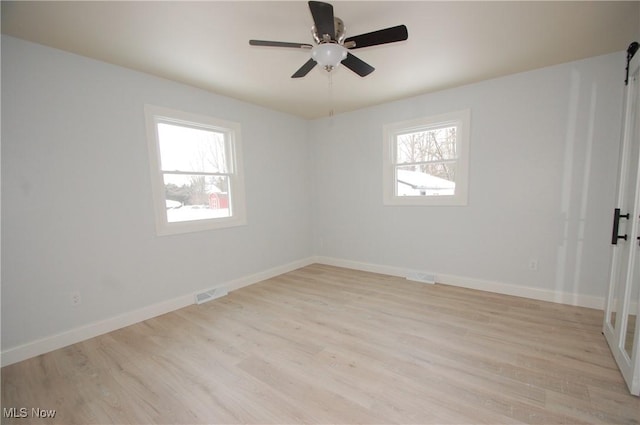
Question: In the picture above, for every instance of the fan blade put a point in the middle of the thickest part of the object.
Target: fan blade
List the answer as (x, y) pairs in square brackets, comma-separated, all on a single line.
[(279, 44), (323, 18), (358, 66), (387, 35), (304, 69)]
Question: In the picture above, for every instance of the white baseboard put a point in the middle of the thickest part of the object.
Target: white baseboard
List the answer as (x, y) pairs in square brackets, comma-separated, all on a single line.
[(72, 336), (472, 283), (267, 274), (365, 267), (75, 335)]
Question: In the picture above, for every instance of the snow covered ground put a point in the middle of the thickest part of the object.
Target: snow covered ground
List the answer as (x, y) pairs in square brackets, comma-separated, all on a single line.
[(195, 212)]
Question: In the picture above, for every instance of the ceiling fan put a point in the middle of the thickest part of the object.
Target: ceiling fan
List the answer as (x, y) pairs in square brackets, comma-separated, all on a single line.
[(332, 44)]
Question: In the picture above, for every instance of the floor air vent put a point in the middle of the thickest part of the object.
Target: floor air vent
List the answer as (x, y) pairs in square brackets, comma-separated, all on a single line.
[(211, 294), (421, 277)]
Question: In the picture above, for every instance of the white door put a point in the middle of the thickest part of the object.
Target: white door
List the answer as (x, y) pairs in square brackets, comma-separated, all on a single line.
[(621, 328)]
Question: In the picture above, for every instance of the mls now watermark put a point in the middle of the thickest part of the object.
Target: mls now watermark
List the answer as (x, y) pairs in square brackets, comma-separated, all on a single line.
[(24, 412)]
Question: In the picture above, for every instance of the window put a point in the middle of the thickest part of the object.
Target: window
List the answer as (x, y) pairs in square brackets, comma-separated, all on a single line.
[(196, 171), (426, 160)]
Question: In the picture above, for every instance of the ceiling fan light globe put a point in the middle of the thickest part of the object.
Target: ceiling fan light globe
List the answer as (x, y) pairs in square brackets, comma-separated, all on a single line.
[(328, 55)]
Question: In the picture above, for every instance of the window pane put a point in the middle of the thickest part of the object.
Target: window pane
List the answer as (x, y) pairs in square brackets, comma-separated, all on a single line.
[(196, 197), (436, 144), (191, 149), (426, 179)]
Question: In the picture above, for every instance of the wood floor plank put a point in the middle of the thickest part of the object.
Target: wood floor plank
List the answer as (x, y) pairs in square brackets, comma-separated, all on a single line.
[(329, 345)]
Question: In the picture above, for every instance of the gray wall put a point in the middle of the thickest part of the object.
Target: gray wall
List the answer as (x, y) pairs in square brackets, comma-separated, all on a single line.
[(543, 160), (77, 212)]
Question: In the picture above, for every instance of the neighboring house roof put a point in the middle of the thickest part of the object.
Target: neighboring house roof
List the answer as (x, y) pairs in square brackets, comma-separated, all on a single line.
[(418, 180), (212, 188), (173, 204)]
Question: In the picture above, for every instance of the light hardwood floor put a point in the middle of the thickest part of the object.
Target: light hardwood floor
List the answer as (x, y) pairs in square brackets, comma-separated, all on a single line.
[(329, 345)]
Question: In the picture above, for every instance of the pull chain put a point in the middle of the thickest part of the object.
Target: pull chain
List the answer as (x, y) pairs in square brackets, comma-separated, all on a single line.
[(331, 94)]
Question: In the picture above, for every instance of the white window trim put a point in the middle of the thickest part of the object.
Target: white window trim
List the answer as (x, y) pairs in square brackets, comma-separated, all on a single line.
[(154, 114), (460, 118)]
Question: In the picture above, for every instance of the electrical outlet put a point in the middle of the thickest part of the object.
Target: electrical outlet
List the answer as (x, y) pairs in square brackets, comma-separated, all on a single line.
[(533, 265), (76, 298)]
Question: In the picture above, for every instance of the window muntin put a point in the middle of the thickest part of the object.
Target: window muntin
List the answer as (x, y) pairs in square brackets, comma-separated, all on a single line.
[(426, 160), (196, 171)]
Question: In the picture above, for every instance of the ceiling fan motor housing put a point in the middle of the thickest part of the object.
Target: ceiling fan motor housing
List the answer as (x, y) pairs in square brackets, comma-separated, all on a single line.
[(339, 35)]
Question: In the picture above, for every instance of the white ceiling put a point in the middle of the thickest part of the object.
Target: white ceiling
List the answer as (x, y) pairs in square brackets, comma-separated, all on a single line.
[(205, 44)]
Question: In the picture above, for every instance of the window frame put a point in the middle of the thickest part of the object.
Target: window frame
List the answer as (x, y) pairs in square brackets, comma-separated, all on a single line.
[(461, 120), (155, 115)]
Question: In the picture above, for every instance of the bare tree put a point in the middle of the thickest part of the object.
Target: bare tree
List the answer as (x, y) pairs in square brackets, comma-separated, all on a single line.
[(430, 151)]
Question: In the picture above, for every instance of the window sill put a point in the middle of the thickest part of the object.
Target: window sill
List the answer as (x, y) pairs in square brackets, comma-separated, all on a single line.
[(176, 228), (427, 201)]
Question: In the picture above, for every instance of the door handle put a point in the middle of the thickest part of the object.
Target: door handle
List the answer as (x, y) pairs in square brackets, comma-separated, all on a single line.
[(616, 223)]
